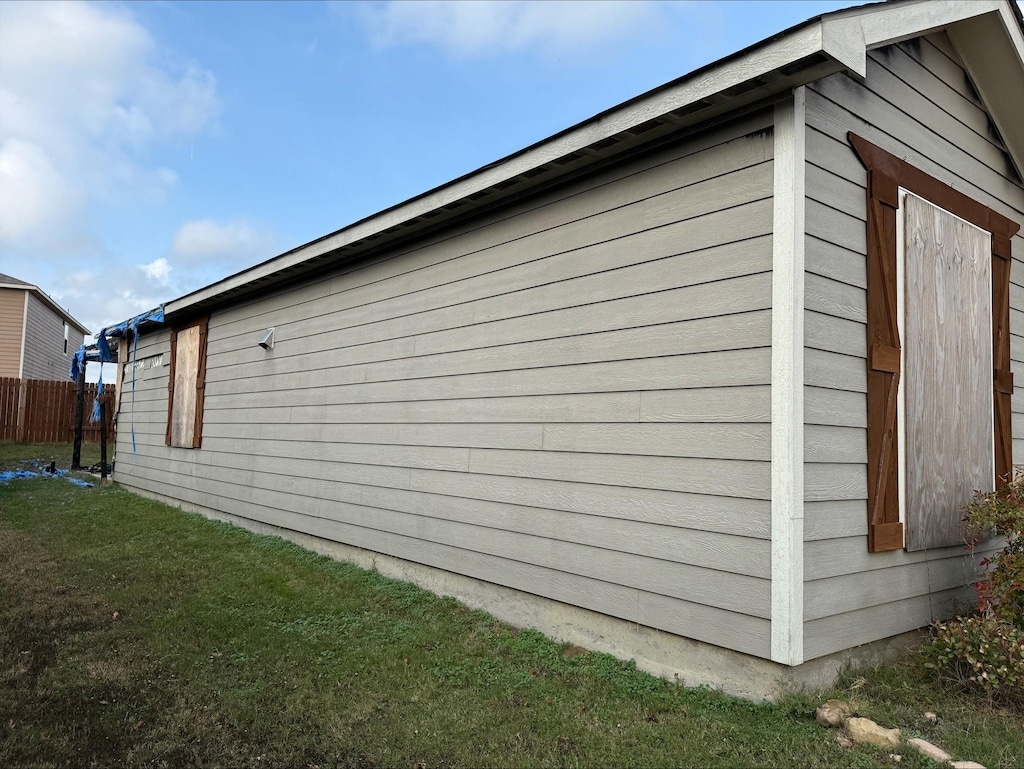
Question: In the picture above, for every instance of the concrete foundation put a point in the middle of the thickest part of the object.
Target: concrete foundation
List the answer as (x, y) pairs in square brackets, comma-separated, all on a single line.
[(693, 663)]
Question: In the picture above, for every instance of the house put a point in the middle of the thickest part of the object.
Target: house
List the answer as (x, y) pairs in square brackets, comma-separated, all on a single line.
[(37, 335), (702, 381)]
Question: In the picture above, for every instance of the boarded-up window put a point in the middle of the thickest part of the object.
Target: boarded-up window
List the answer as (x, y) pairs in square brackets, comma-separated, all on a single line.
[(948, 357), (186, 386), (947, 426)]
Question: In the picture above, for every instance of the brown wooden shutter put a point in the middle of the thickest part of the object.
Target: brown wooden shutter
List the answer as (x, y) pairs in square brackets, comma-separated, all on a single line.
[(885, 532), (197, 436), (1002, 377), (170, 386)]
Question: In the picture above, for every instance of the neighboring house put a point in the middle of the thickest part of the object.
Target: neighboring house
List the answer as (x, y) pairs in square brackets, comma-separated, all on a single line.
[(37, 335), (636, 385)]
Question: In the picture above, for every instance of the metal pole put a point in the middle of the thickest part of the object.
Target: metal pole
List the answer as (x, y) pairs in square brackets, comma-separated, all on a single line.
[(76, 456)]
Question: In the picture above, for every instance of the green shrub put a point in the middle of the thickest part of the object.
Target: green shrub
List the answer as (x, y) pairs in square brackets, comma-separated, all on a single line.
[(985, 650), (1001, 512)]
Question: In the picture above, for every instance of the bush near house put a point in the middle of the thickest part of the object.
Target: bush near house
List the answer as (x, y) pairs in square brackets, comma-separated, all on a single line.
[(985, 650)]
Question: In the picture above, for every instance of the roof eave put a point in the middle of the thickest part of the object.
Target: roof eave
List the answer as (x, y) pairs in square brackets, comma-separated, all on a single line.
[(817, 48), (730, 84), (49, 302)]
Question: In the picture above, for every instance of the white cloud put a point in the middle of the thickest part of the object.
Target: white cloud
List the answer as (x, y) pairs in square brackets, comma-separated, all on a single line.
[(84, 92), (159, 270), (35, 198), (203, 240), (106, 293), (489, 27)]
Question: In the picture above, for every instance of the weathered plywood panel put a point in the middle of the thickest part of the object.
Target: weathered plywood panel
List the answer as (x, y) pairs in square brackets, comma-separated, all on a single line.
[(948, 371), (185, 373)]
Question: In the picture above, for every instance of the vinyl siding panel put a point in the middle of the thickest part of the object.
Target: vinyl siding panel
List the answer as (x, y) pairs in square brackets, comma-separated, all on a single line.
[(917, 103), (569, 396), (12, 316), (44, 343)]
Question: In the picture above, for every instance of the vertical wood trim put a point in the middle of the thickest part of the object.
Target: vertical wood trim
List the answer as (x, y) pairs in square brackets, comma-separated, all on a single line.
[(24, 333), (885, 532), (197, 431), (886, 174), (1002, 377), (170, 386), (787, 497)]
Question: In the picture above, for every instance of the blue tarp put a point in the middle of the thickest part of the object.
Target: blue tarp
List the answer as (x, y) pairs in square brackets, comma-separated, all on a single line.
[(13, 475), (102, 353), (121, 329)]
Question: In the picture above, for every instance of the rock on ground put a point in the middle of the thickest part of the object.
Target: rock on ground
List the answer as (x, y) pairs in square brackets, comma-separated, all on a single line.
[(833, 713), (935, 753), (865, 730)]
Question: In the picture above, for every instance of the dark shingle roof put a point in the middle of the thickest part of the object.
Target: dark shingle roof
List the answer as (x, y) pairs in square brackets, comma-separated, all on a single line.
[(15, 281)]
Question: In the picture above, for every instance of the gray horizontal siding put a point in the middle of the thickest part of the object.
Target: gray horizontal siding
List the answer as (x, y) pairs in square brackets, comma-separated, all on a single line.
[(44, 343), (570, 397), (917, 103)]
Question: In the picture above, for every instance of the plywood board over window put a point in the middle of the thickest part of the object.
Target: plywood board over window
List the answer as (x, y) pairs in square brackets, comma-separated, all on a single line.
[(887, 175), (186, 385), (948, 449)]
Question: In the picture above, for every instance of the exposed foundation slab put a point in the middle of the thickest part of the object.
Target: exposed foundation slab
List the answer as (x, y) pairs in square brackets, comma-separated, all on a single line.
[(693, 663)]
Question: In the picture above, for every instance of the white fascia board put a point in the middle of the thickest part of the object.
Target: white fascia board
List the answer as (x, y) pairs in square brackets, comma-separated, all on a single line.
[(760, 60), (24, 334), (884, 24)]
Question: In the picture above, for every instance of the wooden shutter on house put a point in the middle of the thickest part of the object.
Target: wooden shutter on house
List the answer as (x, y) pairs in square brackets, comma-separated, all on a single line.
[(885, 532), (886, 175), (1002, 377)]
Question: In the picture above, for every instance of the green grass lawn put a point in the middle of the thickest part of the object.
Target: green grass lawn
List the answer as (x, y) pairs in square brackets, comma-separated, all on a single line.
[(132, 634), (12, 454)]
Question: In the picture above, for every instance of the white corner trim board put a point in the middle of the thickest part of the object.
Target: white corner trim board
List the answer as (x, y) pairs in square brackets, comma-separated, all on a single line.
[(787, 641), (24, 334)]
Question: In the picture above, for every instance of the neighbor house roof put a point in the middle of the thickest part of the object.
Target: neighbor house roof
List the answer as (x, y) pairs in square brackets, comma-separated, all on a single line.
[(988, 34), (6, 281)]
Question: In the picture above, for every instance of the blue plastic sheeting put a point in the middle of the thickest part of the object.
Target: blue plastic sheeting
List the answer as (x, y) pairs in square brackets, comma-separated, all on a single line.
[(103, 355), (77, 482), (153, 316), (13, 475), (77, 363), (95, 416)]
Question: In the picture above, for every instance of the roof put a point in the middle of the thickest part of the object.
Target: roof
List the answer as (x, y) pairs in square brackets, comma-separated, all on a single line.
[(989, 35), (6, 281)]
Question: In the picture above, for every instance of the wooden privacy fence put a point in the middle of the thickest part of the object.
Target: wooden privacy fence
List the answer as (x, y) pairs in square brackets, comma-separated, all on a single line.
[(38, 411)]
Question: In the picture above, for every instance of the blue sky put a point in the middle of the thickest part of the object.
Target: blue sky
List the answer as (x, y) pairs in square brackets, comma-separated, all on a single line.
[(147, 149)]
